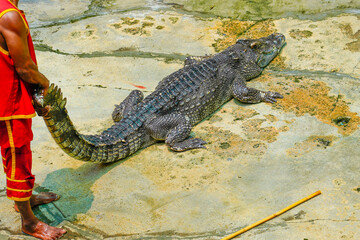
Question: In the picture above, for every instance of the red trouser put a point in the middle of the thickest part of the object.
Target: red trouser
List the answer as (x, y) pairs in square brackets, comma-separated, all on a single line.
[(15, 137)]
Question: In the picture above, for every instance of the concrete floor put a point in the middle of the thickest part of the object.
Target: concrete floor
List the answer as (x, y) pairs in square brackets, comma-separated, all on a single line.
[(259, 158)]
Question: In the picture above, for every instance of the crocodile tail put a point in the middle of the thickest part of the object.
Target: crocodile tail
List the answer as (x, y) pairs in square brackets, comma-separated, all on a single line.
[(69, 139)]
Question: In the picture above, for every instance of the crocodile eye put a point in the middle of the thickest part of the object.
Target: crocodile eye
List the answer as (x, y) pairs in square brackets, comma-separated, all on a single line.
[(255, 45)]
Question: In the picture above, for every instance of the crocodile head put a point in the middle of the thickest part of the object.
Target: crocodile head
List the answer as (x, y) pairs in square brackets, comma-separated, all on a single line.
[(264, 49)]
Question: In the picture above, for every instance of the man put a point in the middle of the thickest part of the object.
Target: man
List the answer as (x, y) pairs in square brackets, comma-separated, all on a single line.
[(18, 76)]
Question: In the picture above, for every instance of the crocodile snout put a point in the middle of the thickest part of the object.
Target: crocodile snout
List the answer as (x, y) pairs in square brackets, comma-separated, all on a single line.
[(279, 39)]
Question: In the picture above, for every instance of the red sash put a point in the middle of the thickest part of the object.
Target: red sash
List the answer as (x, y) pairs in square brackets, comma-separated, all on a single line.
[(15, 94)]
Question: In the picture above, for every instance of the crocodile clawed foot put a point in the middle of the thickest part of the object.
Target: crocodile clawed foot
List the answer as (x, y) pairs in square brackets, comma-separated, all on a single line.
[(271, 97), (190, 143)]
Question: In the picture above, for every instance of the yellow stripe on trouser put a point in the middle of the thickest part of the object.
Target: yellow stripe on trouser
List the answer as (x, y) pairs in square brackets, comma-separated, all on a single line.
[(19, 199), (18, 190), (13, 180), (12, 147)]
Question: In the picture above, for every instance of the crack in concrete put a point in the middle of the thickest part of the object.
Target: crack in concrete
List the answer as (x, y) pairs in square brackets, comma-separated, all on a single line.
[(309, 73), (146, 235), (324, 219), (59, 210), (116, 53), (171, 234), (81, 17), (288, 14)]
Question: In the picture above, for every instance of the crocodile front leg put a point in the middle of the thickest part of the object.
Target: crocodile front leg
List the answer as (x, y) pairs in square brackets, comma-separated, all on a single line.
[(251, 95), (175, 129), (127, 105)]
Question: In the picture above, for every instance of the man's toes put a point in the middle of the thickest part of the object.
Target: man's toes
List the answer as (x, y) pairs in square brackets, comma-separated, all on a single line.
[(50, 195), (54, 196), (58, 232), (61, 232), (44, 197)]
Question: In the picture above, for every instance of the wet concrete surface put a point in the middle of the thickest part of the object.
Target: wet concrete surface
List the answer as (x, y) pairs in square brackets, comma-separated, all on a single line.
[(259, 158)]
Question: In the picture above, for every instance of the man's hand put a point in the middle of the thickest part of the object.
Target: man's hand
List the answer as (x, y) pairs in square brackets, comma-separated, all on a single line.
[(38, 97), (42, 111), (45, 87)]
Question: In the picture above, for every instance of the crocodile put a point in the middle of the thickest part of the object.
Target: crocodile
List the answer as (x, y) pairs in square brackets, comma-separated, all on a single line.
[(180, 101)]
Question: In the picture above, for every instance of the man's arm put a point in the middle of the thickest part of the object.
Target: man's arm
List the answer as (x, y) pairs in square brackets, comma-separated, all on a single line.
[(14, 31)]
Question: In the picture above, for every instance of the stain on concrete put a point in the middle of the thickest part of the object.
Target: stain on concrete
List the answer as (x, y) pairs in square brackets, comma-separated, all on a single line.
[(136, 31), (311, 144), (86, 34), (349, 32), (253, 130), (141, 26), (284, 129), (300, 34), (339, 182), (173, 20), (130, 21), (147, 24), (160, 27), (150, 18), (173, 172), (271, 118), (244, 113), (299, 215), (227, 144), (306, 96), (231, 30), (116, 25)]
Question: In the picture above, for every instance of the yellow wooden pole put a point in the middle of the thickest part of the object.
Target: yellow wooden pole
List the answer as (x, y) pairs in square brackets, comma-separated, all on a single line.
[(271, 216)]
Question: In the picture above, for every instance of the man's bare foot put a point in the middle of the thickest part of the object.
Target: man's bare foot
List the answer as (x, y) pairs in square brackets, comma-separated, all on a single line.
[(41, 198), (42, 230)]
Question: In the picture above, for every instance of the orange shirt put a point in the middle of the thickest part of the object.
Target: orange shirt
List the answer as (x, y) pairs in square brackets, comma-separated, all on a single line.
[(15, 94)]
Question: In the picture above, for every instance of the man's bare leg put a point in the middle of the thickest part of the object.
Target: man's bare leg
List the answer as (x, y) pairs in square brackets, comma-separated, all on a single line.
[(34, 227), (41, 198)]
